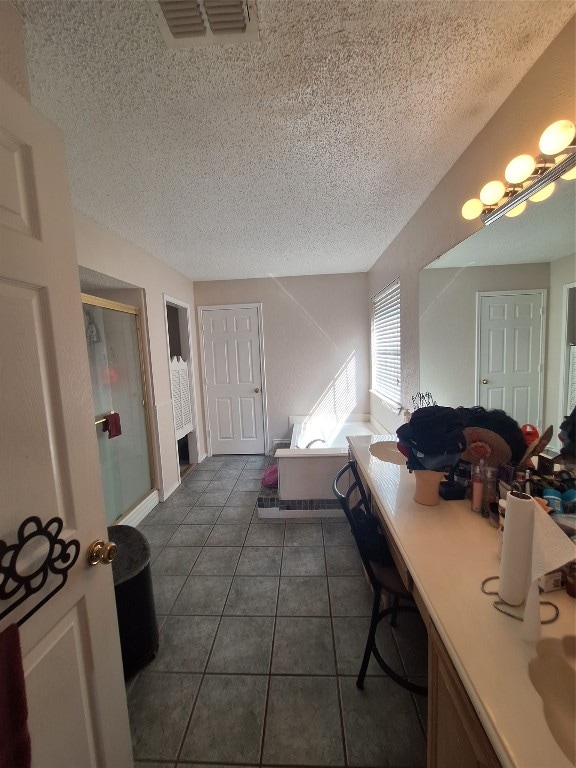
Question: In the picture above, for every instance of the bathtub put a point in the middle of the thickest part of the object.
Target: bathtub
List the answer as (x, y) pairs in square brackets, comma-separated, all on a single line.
[(318, 449), (324, 435)]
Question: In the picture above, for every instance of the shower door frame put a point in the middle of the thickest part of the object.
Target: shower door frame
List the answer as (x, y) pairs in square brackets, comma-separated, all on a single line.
[(117, 306)]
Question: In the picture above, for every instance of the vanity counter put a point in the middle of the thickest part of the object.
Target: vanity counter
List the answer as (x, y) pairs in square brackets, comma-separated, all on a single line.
[(448, 550)]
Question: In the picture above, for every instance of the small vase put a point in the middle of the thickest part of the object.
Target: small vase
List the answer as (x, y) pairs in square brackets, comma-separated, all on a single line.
[(427, 487)]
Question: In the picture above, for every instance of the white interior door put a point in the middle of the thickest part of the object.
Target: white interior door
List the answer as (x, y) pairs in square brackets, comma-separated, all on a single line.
[(233, 379), (510, 354), (49, 462)]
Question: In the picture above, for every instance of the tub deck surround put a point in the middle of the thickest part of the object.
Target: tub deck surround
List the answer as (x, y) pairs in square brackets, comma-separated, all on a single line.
[(271, 506), (306, 473), (324, 433), (448, 550)]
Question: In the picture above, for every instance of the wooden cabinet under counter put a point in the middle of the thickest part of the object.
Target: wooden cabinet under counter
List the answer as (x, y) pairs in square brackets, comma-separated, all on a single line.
[(456, 738)]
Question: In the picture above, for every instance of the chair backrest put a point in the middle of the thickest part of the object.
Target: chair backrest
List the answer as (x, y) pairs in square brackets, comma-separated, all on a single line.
[(371, 543)]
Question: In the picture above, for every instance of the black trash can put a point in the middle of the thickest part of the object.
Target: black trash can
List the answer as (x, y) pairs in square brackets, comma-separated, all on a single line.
[(134, 598)]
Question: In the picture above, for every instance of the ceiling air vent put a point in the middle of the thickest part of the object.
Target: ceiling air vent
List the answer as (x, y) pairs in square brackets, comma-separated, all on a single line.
[(198, 23)]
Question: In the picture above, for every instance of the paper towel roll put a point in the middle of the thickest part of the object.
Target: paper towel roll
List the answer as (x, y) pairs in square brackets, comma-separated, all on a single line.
[(551, 549), (516, 561)]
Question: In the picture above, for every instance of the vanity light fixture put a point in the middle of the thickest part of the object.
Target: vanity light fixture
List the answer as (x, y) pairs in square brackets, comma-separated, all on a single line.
[(517, 210), (544, 193), (571, 174), (557, 137), (492, 193), (519, 169), (528, 178)]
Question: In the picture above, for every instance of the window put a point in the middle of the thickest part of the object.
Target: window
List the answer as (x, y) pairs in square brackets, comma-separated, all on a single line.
[(386, 345)]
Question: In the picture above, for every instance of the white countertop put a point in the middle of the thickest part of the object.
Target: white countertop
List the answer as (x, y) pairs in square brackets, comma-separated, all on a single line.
[(449, 550)]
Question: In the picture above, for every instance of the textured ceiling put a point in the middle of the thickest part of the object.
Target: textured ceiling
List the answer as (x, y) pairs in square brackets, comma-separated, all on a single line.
[(304, 153)]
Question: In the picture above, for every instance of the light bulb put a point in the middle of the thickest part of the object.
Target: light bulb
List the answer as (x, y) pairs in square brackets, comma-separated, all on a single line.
[(557, 137), (543, 194), (517, 210), (492, 193), (519, 169), (569, 175), (472, 209)]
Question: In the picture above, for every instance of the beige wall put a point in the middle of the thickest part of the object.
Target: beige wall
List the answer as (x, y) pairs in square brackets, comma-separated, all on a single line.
[(562, 272), (103, 251), (448, 323), (546, 94), (312, 326)]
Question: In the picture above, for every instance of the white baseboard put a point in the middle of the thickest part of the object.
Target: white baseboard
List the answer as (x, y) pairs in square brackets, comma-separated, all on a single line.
[(202, 456), (141, 511), (275, 513), (166, 492)]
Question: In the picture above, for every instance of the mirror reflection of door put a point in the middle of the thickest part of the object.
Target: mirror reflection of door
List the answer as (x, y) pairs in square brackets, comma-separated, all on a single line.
[(509, 374), (114, 353)]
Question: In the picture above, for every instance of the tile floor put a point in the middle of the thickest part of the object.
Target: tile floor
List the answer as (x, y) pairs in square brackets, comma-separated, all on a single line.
[(262, 629)]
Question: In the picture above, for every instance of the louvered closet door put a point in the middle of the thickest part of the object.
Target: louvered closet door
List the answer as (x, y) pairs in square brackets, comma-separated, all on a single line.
[(231, 350)]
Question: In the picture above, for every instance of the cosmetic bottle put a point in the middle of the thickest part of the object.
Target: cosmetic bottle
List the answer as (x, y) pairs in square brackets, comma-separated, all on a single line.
[(528, 483), (490, 496), (477, 487)]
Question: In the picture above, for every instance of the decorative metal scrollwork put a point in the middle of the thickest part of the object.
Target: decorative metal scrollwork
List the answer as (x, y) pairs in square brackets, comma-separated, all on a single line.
[(26, 565)]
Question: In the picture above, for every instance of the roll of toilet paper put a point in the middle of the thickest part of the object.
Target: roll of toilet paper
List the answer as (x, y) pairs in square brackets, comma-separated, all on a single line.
[(516, 561)]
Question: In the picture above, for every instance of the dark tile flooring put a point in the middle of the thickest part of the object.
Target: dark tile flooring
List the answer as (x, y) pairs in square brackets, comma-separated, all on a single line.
[(263, 625)]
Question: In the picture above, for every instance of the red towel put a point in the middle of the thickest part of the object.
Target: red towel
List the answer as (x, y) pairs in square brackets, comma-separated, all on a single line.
[(270, 477), (112, 425), (15, 749)]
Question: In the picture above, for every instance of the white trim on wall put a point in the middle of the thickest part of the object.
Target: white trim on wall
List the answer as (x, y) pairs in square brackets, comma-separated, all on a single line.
[(167, 492), (141, 511)]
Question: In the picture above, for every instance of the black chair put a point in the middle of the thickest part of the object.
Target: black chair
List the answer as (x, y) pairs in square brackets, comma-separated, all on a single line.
[(380, 568)]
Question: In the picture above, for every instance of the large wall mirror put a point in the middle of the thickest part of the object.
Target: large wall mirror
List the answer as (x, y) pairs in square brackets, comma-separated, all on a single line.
[(498, 315)]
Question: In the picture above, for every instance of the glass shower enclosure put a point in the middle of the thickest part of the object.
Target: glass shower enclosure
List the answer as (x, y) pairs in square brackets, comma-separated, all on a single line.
[(114, 345)]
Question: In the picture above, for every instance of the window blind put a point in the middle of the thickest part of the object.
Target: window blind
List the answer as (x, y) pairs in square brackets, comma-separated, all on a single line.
[(386, 345)]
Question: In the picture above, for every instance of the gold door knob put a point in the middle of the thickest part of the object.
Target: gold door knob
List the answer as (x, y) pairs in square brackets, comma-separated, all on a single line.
[(484, 381), (101, 552), (256, 389)]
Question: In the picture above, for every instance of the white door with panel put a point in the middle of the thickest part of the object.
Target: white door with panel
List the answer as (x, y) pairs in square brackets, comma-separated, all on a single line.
[(510, 353), (49, 463), (233, 379)]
